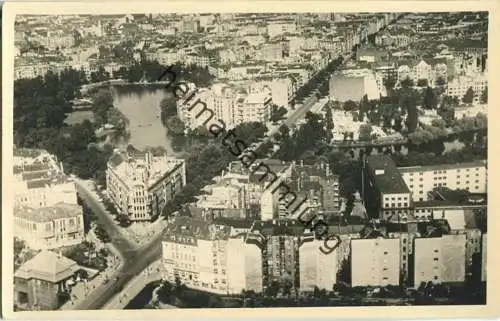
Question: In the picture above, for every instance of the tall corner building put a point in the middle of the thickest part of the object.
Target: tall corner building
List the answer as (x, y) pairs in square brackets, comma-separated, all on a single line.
[(385, 191), (140, 184)]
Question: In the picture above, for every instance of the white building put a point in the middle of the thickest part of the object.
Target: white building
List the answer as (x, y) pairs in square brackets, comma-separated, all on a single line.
[(255, 107), (282, 91), (39, 180), (317, 268), (208, 259), (440, 259), (375, 262), (459, 86), (423, 179), (140, 184), (49, 227)]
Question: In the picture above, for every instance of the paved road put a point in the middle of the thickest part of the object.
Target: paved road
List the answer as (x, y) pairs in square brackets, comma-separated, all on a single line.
[(136, 259)]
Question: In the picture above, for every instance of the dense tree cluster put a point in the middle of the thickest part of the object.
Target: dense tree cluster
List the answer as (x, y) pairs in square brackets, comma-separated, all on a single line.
[(466, 154), (86, 254), (277, 113), (152, 70)]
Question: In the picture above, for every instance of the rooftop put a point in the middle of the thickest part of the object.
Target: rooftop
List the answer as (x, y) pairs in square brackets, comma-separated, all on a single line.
[(48, 214), (142, 167), (48, 266), (478, 163), (389, 179)]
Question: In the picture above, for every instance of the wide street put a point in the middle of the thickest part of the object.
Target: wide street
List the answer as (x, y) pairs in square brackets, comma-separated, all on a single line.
[(136, 259)]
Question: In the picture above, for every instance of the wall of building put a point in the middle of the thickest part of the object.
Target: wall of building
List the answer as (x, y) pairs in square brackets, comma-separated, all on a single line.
[(316, 268), (422, 179), (375, 262)]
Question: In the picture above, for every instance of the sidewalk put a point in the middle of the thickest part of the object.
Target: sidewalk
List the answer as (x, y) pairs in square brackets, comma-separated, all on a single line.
[(152, 273), (84, 288)]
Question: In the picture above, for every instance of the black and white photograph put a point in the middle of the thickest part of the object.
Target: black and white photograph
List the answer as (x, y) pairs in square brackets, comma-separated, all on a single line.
[(253, 159)]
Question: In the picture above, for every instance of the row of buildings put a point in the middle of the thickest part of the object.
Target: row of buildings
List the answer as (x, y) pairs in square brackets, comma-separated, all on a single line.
[(270, 190), (227, 257), (353, 84), (46, 210)]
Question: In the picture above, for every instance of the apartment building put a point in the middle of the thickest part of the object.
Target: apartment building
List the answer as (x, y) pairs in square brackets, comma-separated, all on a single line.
[(49, 227), (39, 180), (38, 282), (421, 180), (256, 107), (206, 258), (459, 86), (375, 262), (282, 91), (318, 183), (440, 259), (140, 184), (317, 269), (226, 195), (385, 191), (271, 52), (423, 70), (353, 85)]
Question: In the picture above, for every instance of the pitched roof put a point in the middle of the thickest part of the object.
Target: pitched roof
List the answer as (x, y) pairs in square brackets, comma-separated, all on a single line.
[(48, 266)]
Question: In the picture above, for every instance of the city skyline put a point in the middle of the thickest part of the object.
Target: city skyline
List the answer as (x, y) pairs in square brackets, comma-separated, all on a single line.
[(248, 160)]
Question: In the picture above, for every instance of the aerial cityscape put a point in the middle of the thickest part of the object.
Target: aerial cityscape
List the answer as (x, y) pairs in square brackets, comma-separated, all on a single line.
[(240, 160)]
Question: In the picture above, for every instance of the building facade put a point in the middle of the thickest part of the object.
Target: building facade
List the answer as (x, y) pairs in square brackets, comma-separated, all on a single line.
[(49, 227), (39, 281), (317, 269), (140, 184), (375, 262), (423, 179), (440, 259)]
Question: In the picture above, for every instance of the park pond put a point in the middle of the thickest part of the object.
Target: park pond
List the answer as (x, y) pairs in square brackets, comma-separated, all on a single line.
[(141, 105)]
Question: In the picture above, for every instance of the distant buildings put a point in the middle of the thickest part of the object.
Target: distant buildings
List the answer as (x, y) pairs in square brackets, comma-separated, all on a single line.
[(222, 102), (39, 282), (375, 262), (353, 85), (459, 86), (49, 227), (440, 259), (140, 184)]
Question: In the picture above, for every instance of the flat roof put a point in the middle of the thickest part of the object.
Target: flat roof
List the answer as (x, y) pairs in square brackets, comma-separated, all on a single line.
[(478, 163), (391, 180)]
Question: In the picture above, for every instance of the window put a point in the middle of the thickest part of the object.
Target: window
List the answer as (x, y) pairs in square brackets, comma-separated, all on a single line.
[(385, 253)]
